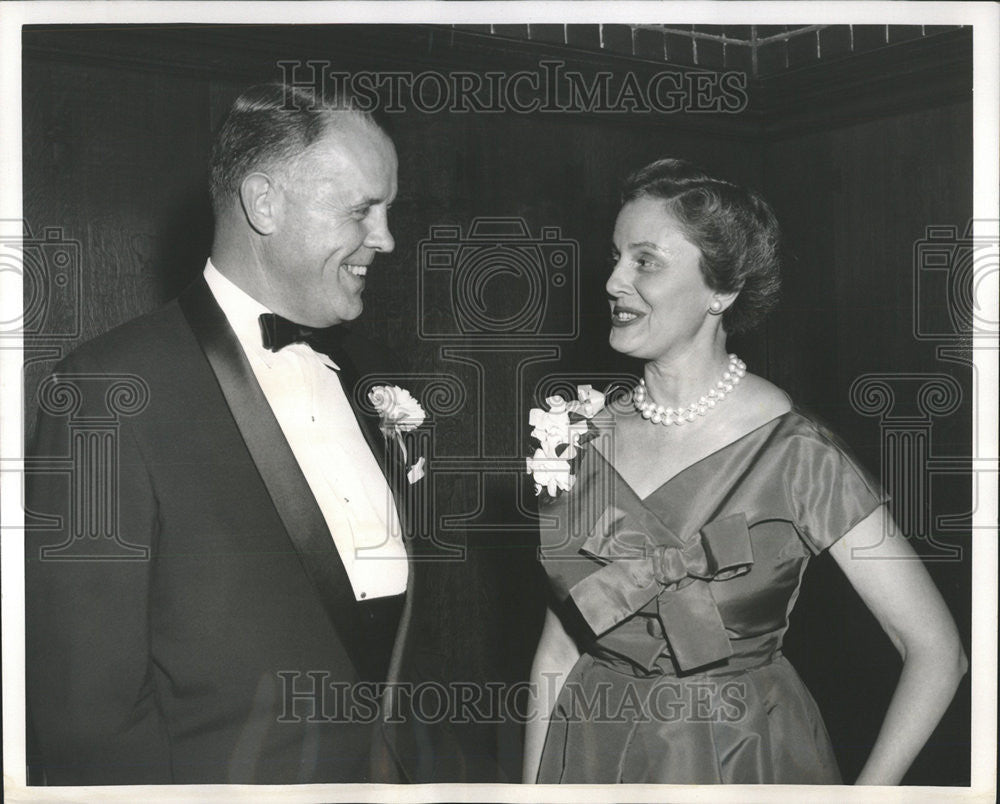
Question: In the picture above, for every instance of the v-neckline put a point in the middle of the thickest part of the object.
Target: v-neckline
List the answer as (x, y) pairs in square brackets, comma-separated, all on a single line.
[(610, 461)]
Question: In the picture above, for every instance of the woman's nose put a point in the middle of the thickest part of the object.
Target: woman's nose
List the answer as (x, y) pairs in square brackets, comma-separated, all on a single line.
[(618, 283)]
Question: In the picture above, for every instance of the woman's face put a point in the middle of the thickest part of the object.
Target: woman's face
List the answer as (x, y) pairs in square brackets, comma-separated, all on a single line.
[(658, 296)]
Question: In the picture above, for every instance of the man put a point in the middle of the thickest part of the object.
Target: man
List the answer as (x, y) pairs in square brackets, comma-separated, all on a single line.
[(257, 569)]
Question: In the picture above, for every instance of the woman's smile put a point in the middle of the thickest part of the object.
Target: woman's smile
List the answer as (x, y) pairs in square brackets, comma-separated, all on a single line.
[(622, 316)]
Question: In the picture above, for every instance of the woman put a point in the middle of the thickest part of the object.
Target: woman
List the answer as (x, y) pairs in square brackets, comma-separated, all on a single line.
[(662, 660)]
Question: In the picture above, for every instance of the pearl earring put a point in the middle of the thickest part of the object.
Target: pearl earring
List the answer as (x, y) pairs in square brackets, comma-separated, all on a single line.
[(715, 307)]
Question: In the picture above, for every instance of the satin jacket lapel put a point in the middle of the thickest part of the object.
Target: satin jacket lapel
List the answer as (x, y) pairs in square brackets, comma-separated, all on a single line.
[(287, 486), (393, 467)]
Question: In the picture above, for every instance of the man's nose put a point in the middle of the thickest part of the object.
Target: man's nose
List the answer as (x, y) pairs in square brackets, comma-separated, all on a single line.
[(379, 237)]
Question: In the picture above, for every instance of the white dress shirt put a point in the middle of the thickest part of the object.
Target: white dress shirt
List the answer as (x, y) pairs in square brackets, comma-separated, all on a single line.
[(311, 407)]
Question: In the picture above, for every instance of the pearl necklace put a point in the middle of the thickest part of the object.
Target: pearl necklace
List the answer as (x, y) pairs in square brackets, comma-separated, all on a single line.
[(658, 414)]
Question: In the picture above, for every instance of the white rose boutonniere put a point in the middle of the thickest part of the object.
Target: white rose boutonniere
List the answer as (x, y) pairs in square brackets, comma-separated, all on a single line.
[(557, 435), (398, 413)]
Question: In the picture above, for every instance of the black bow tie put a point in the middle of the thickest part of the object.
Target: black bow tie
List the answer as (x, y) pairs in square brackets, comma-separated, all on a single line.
[(276, 333)]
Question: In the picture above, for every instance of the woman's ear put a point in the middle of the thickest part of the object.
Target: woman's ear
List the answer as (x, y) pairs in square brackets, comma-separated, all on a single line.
[(722, 302), (259, 199)]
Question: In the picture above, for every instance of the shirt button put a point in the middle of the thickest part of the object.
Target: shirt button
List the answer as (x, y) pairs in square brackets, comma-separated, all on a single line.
[(364, 595)]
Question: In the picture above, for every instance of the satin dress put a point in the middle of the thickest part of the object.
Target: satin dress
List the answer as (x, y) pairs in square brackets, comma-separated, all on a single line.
[(680, 601)]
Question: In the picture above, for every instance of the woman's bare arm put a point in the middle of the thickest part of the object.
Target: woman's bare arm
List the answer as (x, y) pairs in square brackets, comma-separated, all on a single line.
[(554, 658), (892, 581)]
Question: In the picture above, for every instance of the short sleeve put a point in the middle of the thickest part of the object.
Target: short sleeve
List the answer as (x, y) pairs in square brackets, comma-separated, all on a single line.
[(828, 490)]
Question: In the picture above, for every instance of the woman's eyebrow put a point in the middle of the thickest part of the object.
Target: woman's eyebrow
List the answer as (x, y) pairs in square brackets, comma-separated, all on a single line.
[(649, 245)]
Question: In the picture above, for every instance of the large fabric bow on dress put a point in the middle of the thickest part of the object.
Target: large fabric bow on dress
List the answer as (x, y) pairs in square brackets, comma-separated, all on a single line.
[(643, 560)]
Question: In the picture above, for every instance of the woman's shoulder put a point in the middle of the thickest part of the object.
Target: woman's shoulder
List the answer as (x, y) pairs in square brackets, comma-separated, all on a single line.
[(804, 439), (760, 402), (765, 402)]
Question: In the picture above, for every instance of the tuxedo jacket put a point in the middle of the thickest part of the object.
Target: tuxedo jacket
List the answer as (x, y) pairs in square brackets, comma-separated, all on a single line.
[(199, 626)]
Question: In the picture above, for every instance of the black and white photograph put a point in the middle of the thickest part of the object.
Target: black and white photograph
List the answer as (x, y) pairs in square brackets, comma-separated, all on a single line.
[(510, 401)]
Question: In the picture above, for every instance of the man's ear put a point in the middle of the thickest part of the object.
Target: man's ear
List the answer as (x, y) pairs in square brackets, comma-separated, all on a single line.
[(260, 202)]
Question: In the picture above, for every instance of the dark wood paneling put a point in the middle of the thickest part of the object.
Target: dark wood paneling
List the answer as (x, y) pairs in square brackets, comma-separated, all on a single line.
[(116, 161), (854, 202)]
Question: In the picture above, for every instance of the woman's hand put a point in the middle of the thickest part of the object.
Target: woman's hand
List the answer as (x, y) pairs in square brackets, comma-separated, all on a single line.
[(554, 658), (890, 578)]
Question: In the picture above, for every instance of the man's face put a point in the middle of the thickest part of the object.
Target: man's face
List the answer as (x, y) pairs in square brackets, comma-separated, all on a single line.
[(331, 217)]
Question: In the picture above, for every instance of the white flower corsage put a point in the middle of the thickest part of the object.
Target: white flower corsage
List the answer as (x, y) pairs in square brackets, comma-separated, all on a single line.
[(557, 435), (398, 413)]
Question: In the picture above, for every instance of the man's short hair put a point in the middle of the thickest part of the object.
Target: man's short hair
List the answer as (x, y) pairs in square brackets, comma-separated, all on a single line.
[(269, 124)]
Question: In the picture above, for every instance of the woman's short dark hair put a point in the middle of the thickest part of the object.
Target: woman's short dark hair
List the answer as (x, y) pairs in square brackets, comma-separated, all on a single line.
[(267, 124), (733, 227)]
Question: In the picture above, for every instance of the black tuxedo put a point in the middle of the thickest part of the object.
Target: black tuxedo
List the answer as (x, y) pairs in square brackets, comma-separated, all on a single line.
[(219, 656)]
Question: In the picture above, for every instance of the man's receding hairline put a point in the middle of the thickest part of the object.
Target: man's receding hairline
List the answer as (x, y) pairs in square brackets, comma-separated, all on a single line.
[(339, 120), (338, 125)]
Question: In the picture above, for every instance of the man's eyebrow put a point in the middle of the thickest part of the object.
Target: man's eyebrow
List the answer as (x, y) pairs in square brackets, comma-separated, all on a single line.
[(369, 201)]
